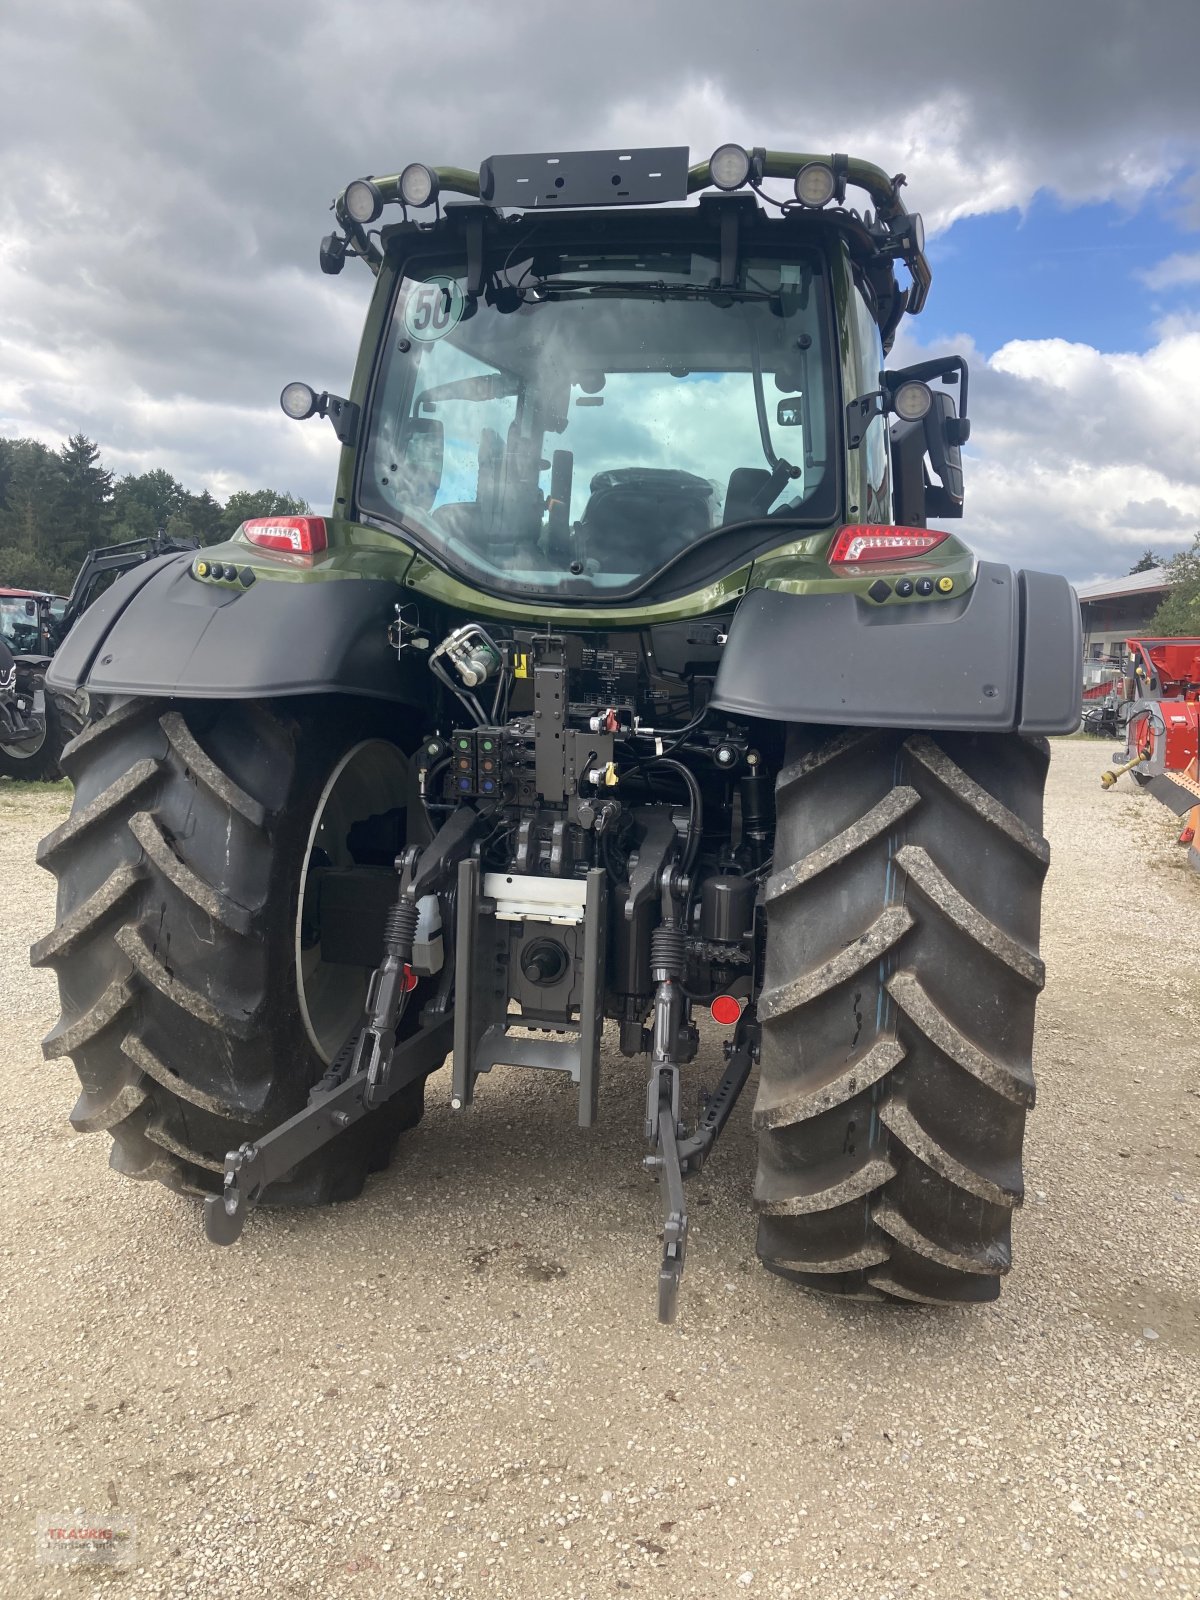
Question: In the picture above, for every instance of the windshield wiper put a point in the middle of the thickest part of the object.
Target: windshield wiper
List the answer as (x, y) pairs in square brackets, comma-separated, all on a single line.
[(651, 289)]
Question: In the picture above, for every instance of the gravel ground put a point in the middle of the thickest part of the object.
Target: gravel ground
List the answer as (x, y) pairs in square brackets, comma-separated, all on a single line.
[(457, 1385)]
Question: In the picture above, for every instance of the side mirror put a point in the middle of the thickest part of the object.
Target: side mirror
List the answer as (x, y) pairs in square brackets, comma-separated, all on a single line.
[(938, 433), (943, 436)]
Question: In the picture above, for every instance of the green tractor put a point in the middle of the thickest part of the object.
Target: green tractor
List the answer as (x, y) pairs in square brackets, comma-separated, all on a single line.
[(626, 683)]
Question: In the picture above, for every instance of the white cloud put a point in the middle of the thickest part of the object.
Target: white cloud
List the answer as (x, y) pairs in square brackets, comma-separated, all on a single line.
[(165, 173), (1174, 272), (1080, 457)]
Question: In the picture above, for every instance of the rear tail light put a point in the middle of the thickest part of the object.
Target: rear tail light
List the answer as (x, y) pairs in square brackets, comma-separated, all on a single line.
[(297, 535), (880, 541)]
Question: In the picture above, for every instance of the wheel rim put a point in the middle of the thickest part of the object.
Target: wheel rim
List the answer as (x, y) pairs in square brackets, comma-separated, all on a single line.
[(26, 751), (369, 780)]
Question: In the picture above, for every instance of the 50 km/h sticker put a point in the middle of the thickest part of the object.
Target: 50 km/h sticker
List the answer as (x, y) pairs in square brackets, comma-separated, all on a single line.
[(433, 308)]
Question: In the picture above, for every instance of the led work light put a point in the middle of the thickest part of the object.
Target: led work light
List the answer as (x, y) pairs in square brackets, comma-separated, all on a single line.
[(815, 185), (362, 201), (729, 166), (298, 400), (418, 185), (912, 400)]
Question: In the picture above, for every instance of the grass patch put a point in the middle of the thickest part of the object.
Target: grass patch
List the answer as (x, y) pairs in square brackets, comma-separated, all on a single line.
[(18, 788)]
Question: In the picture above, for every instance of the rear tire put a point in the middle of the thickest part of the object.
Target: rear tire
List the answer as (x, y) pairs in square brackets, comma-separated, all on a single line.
[(898, 1006), (179, 872)]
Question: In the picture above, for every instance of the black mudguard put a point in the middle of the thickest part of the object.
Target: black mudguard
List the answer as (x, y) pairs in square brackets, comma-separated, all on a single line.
[(1004, 656), (161, 631)]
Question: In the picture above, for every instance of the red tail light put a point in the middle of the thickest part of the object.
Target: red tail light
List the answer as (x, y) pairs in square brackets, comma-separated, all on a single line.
[(880, 541), (297, 535)]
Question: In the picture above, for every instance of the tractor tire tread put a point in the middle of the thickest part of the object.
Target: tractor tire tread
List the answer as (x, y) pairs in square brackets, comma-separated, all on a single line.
[(174, 941), (897, 1010)]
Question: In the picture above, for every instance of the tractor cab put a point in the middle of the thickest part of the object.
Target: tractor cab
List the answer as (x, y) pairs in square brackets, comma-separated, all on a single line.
[(579, 387), (28, 624)]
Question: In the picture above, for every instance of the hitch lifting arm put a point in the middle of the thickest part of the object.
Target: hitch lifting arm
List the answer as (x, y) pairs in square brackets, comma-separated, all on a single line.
[(372, 1065), (676, 1157), (673, 1153), (331, 1109)]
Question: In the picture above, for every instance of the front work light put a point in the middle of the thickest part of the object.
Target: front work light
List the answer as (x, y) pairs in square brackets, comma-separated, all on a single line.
[(815, 185), (912, 400), (362, 201), (299, 400), (418, 185), (729, 166)]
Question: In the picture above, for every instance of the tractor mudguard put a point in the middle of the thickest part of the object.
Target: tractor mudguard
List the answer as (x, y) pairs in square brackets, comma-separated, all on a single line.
[(160, 631), (1003, 656)]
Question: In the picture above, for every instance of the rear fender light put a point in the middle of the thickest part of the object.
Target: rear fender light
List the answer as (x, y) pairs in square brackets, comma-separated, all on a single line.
[(295, 535), (863, 542)]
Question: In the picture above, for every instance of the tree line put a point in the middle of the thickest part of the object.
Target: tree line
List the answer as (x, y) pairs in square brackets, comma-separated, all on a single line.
[(56, 505), (1179, 613)]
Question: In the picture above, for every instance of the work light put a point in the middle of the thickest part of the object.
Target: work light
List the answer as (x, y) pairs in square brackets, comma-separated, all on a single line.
[(729, 166), (362, 201), (815, 185), (909, 232), (298, 400), (418, 185), (912, 400)]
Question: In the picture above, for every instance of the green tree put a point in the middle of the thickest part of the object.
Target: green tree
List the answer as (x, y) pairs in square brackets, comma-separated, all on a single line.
[(22, 569), (55, 505), (33, 494), (258, 503), (199, 517), (144, 503), (1146, 562), (86, 493), (1180, 611)]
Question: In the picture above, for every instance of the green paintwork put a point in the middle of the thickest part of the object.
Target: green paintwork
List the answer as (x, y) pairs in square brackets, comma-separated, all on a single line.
[(355, 551), (795, 571), (428, 580), (797, 567)]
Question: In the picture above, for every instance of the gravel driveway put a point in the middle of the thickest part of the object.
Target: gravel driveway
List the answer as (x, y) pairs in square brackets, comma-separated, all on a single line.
[(457, 1385)]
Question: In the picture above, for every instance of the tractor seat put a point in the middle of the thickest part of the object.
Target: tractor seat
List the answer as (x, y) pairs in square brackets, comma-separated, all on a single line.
[(637, 517)]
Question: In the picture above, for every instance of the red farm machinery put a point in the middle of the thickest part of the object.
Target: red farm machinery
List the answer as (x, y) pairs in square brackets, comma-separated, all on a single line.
[(1160, 714)]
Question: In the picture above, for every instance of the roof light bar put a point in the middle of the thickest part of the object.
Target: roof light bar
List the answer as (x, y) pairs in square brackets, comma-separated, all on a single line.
[(863, 542)]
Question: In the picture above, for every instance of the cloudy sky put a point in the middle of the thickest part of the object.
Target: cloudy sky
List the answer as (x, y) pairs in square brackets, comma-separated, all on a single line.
[(165, 174)]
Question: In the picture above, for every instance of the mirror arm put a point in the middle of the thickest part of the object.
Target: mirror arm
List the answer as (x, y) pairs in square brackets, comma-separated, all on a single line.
[(343, 414)]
